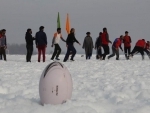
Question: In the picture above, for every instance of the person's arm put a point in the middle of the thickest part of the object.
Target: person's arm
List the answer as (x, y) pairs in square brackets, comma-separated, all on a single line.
[(96, 43), (5, 42), (36, 40), (76, 40), (107, 37), (121, 47), (45, 39), (130, 40), (83, 43), (92, 42), (62, 39)]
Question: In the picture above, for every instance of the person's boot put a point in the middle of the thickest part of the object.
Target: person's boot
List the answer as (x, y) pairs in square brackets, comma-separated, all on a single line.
[(126, 56), (57, 58)]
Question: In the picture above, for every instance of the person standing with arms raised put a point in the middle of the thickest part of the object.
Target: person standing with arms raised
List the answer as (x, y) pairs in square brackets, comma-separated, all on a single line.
[(55, 42), (70, 47), (41, 43), (105, 42), (127, 44)]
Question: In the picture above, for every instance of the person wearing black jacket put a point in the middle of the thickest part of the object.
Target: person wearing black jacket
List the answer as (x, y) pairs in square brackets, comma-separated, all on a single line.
[(29, 44), (69, 43), (98, 45)]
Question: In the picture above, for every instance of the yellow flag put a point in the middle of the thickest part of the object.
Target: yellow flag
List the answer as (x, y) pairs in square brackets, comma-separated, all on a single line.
[(68, 24)]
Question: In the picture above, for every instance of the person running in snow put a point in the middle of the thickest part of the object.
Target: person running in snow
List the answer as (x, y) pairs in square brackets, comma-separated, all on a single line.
[(29, 44), (115, 47), (98, 45), (3, 44), (105, 42), (127, 44), (147, 48), (41, 43), (139, 48), (70, 47), (55, 42), (88, 45)]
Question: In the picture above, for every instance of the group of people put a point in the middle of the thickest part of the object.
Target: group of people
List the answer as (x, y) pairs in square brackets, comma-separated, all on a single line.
[(102, 42), (3, 44)]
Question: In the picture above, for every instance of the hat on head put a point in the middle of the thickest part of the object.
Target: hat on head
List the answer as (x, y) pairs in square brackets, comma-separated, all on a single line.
[(126, 32)]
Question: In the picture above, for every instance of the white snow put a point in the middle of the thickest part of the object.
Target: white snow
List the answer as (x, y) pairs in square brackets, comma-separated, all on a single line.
[(98, 86)]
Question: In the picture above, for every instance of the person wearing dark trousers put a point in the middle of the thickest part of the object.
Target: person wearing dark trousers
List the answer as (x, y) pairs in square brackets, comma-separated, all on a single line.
[(3, 44), (115, 47), (105, 42), (70, 47), (139, 48), (88, 45), (127, 44), (29, 44), (55, 42), (41, 43), (98, 45)]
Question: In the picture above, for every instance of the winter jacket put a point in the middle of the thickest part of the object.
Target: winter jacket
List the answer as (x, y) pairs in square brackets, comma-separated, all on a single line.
[(127, 41), (71, 39), (41, 39), (141, 43), (88, 45), (147, 46), (117, 43), (3, 41), (29, 39), (105, 38), (98, 42)]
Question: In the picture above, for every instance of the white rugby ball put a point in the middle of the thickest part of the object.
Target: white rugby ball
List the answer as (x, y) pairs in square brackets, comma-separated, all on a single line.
[(55, 85)]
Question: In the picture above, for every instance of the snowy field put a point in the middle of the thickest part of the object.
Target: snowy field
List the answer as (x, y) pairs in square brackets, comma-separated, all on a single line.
[(98, 86)]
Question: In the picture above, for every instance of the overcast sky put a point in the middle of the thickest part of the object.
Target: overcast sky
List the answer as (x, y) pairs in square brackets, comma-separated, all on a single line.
[(85, 15)]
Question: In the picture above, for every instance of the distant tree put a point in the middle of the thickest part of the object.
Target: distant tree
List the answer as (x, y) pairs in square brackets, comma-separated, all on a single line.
[(18, 49)]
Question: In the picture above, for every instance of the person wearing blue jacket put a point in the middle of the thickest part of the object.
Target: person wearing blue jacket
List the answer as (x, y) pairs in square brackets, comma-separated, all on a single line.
[(41, 43)]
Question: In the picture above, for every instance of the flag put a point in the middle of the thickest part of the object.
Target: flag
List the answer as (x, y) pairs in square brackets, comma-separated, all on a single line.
[(68, 24), (58, 21)]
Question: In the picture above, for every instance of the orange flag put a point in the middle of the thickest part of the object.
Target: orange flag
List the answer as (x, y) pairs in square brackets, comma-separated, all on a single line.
[(68, 24)]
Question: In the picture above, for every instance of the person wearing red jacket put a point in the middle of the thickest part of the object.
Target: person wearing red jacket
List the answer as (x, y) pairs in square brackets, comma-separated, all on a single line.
[(105, 41), (127, 44), (115, 47), (147, 48), (139, 48)]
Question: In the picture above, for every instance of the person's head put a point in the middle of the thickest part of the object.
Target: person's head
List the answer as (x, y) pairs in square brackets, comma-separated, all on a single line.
[(104, 29), (121, 37), (88, 33), (29, 31), (143, 40), (100, 34), (3, 31), (148, 42), (41, 28), (58, 30), (72, 30), (126, 33)]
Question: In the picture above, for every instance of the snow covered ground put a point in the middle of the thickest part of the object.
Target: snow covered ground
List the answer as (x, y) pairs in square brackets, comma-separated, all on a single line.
[(98, 86)]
